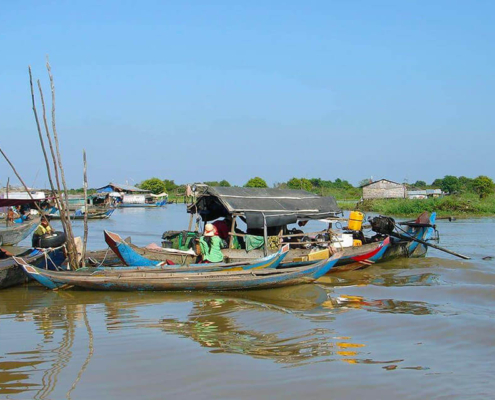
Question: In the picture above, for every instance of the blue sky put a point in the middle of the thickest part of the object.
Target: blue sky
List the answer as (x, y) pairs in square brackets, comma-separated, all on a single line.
[(210, 90)]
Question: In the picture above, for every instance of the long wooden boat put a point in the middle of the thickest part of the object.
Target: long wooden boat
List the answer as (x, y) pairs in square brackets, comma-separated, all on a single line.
[(131, 257), (13, 234), (271, 261), (92, 215), (154, 279), (11, 274), (352, 257)]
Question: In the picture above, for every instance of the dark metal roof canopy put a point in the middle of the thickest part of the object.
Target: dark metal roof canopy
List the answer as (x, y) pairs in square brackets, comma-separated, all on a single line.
[(279, 206), (17, 202)]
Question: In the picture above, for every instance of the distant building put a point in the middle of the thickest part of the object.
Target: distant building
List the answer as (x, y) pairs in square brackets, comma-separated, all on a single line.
[(424, 194), (384, 189)]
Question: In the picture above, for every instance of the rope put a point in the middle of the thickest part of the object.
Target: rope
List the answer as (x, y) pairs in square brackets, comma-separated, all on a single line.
[(47, 257), (104, 258)]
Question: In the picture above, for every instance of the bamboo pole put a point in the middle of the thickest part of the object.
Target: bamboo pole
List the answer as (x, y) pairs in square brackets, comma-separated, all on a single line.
[(85, 240), (39, 128), (7, 194), (20, 179), (71, 246), (56, 192)]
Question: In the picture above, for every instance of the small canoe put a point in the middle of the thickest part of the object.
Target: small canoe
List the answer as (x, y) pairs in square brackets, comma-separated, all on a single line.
[(155, 279)]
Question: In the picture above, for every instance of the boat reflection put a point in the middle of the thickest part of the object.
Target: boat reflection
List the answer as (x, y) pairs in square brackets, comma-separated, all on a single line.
[(265, 325), (292, 326), (37, 371)]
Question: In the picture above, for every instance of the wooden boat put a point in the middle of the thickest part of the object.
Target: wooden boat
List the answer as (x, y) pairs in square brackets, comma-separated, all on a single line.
[(358, 257), (11, 274), (15, 233), (351, 258), (423, 229), (155, 279), (91, 215), (131, 258), (269, 212)]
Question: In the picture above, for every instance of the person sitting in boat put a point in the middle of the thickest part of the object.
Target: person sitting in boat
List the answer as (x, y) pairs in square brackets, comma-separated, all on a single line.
[(211, 245), (42, 229), (223, 228), (223, 231)]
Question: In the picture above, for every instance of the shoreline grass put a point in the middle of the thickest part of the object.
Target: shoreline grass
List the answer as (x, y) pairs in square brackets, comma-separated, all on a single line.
[(465, 205)]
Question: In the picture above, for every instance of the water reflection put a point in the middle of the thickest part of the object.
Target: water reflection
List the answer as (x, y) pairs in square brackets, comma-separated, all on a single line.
[(215, 324), (37, 371), (289, 326)]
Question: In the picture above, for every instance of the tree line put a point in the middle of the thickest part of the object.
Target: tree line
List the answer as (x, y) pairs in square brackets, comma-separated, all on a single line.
[(340, 188)]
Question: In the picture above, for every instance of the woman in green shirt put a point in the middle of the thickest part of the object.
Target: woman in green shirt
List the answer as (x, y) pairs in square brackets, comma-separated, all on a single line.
[(211, 245)]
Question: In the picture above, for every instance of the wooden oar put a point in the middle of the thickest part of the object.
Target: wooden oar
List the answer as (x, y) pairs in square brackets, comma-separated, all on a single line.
[(410, 238)]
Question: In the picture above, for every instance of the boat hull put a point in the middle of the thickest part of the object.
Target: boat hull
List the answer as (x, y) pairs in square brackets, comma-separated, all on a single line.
[(411, 249), (12, 235), (99, 215), (140, 280), (11, 274)]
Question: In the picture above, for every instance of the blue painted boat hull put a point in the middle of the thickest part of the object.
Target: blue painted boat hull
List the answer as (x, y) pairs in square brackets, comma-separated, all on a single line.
[(156, 280), (411, 249)]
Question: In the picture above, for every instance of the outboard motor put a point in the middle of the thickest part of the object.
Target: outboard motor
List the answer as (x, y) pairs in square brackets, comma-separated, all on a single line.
[(383, 225)]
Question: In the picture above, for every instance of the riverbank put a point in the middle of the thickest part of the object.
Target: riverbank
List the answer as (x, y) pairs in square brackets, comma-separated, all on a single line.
[(459, 206)]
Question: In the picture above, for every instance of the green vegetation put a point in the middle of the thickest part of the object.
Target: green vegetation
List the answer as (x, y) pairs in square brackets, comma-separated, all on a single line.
[(222, 183), (156, 185), (483, 186), (458, 205), (468, 196), (256, 182)]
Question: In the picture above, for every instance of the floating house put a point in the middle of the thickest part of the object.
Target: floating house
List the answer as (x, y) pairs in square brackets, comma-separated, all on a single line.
[(131, 196), (21, 194), (384, 189)]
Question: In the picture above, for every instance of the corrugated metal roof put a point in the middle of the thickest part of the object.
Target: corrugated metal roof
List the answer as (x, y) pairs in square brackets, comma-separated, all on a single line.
[(380, 180), (123, 188)]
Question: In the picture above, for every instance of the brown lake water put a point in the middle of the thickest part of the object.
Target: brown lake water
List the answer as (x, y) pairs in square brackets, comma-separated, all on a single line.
[(410, 329)]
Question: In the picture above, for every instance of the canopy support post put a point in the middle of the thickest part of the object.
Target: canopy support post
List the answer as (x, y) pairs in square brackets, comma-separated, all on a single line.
[(232, 231), (265, 236), (190, 223)]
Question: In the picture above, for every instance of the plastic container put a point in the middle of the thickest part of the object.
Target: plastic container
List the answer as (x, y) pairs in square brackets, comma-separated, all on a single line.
[(356, 220), (345, 240), (357, 242)]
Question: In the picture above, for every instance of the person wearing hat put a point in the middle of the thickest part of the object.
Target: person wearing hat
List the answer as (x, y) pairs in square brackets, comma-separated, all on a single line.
[(211, 245)]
